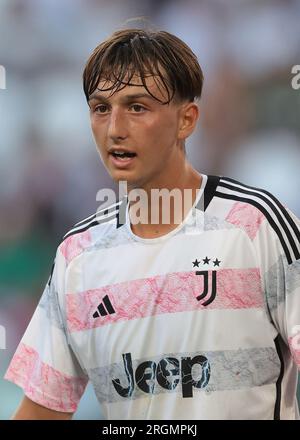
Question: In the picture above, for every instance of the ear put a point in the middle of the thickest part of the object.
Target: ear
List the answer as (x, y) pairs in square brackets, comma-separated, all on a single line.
[(188, 116)]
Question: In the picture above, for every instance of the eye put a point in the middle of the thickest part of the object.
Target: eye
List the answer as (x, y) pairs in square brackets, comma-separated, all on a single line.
[(138, 108), (102, 108)]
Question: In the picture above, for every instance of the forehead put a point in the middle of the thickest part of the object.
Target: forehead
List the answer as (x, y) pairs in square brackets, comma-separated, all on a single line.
[(154, 86)]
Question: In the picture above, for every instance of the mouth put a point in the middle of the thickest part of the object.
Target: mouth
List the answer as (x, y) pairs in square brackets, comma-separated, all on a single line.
[(121, 158), (122, 154)]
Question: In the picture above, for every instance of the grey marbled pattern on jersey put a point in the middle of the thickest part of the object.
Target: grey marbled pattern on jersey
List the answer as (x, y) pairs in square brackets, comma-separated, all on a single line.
[(281, 279), (49, 302), (226, 370)]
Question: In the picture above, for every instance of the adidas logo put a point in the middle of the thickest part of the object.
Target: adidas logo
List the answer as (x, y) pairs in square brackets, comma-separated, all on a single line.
[(101, 310)]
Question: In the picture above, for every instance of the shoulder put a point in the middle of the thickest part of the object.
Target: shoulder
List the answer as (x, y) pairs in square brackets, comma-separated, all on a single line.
[(108, 215), (261, 199), (240, 196), (87, 231), (252, 206)]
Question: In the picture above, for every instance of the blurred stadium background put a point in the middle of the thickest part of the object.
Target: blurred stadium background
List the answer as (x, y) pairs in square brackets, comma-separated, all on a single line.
[(50, 170)]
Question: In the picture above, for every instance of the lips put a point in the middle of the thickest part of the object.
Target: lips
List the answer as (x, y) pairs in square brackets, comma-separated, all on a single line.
[(121, 158)]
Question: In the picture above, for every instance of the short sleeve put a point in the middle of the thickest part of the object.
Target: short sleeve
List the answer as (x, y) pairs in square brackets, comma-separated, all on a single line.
[(44, 364), (278, 248)]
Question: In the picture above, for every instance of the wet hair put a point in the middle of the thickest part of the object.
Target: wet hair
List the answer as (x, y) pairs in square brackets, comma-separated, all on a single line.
[(129, 53)]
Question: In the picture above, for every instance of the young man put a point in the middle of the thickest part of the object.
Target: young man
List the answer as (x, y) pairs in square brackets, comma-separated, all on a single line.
[(196, 320)]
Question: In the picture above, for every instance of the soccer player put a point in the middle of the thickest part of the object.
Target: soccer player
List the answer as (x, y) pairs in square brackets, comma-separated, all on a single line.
[(197, 319)]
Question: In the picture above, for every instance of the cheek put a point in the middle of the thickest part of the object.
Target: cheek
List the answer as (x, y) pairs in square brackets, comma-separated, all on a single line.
[(98, 132), (162, 133), (167, 124), (94, 126), (161, 126)]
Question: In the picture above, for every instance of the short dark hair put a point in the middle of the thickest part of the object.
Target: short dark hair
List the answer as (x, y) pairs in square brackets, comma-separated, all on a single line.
[(130, 52)]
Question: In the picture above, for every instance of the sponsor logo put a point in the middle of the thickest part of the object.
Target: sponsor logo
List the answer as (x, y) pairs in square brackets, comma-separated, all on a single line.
[(104, 308), (167, 373)]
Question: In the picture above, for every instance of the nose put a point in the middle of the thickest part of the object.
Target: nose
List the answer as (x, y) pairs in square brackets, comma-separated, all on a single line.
[(117, 127)]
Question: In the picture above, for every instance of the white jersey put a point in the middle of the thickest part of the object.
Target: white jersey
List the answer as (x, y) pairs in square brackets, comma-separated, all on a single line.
[(201, 323)]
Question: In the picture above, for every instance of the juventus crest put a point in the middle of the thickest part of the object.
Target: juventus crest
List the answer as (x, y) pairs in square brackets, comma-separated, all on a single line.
[(209, 286), (209, 280)]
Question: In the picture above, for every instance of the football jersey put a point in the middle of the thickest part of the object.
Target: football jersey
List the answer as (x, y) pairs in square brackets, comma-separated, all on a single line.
[(200, 323)]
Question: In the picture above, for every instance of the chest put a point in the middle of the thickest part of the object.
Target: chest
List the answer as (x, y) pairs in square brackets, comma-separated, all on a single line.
[(191, 290)]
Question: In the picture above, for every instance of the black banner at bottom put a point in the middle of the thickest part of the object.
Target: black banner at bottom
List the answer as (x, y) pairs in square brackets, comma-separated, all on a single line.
[(103, 429)]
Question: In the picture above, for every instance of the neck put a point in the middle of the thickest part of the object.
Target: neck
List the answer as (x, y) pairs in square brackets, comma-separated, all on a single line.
[(168, 202)]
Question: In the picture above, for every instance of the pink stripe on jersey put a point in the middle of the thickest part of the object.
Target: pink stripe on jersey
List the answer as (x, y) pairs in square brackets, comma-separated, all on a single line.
[(294, 344), (74, 245), (43, 384), (247, 217), (171, 293)]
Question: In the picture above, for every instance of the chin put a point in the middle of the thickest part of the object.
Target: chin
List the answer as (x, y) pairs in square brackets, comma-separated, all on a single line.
[(119, 176)]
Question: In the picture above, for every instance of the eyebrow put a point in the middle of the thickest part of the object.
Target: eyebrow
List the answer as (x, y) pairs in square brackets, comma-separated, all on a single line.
[(98, 97)]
